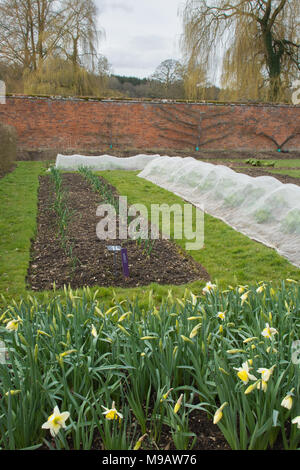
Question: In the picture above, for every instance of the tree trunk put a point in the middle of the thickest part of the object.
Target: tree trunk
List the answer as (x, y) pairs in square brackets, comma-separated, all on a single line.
[(273, 61)]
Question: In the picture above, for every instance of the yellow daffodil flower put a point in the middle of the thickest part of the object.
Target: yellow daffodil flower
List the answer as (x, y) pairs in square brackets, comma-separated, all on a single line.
[(260, 289), (56, 421), (112, 413), (268, 331), (221, 315), (242, 289), (209, 288), (266, 373), (219, 413), (244, 374), (244, 297), (13, 325)]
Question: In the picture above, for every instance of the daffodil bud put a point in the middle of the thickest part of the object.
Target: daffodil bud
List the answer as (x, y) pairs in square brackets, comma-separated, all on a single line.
[(195, 330), (219, 413), (185, 339), (223, 371), (139, 442), (178, 404)]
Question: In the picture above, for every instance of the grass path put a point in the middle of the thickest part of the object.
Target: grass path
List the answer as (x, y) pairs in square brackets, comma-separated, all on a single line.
[(18, 198)]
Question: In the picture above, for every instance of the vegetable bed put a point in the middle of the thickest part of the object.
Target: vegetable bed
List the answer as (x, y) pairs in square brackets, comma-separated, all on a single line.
[(66, 250)]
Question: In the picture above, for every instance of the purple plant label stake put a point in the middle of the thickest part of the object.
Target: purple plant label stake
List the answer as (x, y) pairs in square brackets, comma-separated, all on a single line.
[(125, 262)]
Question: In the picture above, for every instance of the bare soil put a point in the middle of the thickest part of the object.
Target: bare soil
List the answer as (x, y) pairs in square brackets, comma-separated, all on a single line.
[(167, 264)]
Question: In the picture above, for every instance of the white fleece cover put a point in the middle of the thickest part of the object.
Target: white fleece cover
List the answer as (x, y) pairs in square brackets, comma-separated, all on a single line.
[(103, 162), (261, 207)]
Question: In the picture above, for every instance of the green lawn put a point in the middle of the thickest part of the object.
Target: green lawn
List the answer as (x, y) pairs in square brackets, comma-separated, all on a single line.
[(287, 163), (293, 173), (18, 196), (230, 257)]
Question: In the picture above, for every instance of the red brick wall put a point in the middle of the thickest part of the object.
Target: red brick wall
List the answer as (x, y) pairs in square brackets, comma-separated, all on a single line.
[(81, 125)]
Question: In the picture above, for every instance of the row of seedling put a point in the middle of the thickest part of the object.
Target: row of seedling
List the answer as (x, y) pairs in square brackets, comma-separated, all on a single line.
[(64, 215), (100, 187), (146, 244)]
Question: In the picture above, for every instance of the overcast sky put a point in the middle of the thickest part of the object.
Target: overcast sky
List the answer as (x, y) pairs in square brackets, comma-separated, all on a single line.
[(140, 34)]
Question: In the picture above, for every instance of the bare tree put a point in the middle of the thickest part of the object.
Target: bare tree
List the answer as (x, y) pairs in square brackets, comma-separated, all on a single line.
[(33, 30), (29, 31), (169, 74)]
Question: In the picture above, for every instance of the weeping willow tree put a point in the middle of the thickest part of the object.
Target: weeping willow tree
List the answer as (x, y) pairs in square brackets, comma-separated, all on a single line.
[(81, 36), (56, 77), (195, 81), (255, 41), (243, 74)]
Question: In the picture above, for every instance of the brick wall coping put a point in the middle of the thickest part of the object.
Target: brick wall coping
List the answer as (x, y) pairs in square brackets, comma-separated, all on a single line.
[(150, 101)]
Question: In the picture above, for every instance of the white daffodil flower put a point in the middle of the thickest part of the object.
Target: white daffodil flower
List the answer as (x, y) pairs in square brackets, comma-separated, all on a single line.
[(244, 297), (260, 289), (13, 325), (268, 331), (244, 374), (56, 421), (112, 413), (296, 421), (209, 288), (266, 373), (242, 289)]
